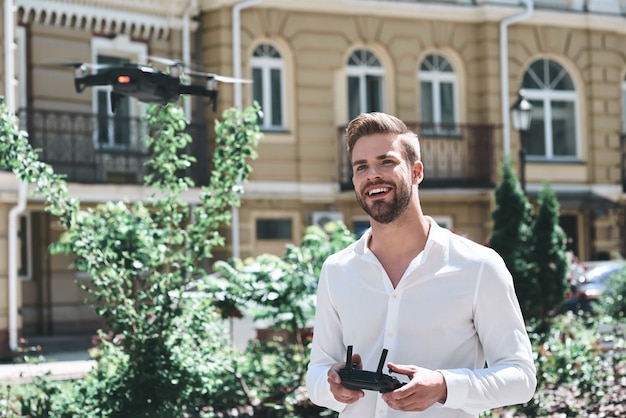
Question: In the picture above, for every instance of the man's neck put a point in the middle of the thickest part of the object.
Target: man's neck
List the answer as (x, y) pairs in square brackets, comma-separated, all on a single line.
[(396, 244)]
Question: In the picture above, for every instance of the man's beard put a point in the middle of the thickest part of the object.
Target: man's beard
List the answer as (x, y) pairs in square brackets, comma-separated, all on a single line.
[(386, 212)]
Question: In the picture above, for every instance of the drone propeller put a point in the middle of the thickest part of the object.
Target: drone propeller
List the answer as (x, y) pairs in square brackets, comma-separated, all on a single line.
[(177, 63), (79, 64), (225, 79), (220, 78), (166, 61)]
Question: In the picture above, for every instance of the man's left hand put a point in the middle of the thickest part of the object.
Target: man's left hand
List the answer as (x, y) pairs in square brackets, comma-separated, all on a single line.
[(426, 388)]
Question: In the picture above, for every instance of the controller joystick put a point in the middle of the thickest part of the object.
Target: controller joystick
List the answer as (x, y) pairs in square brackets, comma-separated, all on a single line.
[(361, 379)]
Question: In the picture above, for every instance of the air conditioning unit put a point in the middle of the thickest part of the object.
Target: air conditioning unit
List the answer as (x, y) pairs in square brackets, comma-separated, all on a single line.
[(321, 218)]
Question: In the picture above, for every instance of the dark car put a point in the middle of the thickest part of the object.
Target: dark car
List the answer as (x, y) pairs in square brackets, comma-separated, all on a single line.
[(588, 283)]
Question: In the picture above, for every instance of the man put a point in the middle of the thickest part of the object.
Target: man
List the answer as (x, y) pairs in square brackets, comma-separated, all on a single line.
[(443, 306)]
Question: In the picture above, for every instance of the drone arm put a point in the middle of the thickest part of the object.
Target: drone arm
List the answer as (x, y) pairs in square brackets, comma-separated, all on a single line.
[(198, 90), (89, 80)]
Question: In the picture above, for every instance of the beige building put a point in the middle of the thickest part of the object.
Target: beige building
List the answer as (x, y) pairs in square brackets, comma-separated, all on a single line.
[(450, 69)]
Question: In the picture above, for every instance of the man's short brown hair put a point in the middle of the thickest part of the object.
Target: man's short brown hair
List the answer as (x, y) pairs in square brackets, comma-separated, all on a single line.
[(382, 123)]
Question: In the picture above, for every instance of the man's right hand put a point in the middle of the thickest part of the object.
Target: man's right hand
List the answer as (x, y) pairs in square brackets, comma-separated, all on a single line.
[(340, 392)]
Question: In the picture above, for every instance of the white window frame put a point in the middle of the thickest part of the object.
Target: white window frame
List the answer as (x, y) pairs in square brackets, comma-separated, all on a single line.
[(266, 64), (22, 87), (546, 95), (120, 46), (437, 78), (362, 71)]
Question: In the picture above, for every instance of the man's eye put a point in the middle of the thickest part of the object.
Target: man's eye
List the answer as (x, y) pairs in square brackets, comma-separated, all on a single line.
[(359, 168)]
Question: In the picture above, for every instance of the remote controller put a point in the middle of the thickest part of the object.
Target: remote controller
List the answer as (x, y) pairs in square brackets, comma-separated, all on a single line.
[(361, 379)]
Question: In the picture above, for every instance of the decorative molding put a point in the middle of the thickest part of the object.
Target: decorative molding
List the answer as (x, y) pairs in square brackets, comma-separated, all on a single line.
[(140, 19)]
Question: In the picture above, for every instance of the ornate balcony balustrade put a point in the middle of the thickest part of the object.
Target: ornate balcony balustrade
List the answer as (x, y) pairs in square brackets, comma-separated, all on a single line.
[(453, 156), (90, 148)]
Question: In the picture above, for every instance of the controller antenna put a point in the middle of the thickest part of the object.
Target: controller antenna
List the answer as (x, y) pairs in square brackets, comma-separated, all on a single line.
[(381, 363), (349, 358)]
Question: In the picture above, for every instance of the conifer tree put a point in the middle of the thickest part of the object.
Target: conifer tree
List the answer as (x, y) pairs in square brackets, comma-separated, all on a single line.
[(549, 254), (512, 237)]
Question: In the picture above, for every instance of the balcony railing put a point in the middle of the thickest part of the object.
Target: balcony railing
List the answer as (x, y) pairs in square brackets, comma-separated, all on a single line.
[(90, 148), (453, 156)]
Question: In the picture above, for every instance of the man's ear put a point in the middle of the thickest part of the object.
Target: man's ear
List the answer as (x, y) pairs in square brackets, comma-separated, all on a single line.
[(418, 172)]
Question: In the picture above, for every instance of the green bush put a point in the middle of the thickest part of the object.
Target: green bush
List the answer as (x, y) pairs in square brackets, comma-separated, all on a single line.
[(613, 299), (166, 356), (281, 291), (569, 358)]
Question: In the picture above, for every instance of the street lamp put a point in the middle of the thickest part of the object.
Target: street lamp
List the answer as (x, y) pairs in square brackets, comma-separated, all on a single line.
[(522, 115)]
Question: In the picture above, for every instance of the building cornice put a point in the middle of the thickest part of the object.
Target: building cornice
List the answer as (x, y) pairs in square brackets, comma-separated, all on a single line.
[(570, 15), (148, 19), (140, 19)]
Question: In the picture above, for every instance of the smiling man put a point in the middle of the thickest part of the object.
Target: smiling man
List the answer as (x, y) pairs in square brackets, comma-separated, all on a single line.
[(443, 306)]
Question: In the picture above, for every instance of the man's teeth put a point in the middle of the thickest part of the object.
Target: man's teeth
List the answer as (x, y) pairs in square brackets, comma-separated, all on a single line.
[(376, 191)]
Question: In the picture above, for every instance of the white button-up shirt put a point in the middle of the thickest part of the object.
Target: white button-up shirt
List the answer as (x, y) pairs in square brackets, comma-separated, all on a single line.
[(454, 310)]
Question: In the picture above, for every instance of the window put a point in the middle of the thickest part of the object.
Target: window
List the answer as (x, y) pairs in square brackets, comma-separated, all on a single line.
[(365, 83), (113, 128), (119, 129), (273, 229), (438, 87), (268, 86), (359, 226), (444, 221), (553, 134)]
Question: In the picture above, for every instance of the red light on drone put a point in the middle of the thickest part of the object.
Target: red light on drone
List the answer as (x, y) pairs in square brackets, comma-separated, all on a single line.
[(123, 79)]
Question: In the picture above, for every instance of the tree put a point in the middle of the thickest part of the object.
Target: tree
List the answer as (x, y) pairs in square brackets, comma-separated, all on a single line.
[(548, 255), (168, 355), (512, 237)]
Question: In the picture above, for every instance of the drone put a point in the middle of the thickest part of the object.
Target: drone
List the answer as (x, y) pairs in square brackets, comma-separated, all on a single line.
[(147, 83)]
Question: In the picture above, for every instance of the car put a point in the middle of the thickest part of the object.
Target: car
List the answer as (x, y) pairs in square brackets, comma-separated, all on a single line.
[(588, 283)]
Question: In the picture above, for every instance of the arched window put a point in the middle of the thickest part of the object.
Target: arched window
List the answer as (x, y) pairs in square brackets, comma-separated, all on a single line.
[(553, 133), (268, 86), (365, 83), (438, 91)]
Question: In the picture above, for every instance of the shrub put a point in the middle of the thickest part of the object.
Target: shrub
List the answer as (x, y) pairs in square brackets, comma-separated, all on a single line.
[(613, 299), (141, 257), (570, 363)]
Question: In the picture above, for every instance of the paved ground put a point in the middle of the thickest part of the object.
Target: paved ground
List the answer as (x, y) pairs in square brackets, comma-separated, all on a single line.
[(64, 357), (57, 370)]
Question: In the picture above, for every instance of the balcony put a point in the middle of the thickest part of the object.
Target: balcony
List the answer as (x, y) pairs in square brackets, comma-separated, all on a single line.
[(461, 156), (90, 148)]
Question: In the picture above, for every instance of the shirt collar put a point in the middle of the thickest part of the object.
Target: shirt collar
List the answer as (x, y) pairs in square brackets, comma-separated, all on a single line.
[(436, 237)]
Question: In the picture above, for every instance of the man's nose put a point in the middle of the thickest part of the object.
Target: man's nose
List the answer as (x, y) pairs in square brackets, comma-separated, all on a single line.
[(372, 172)]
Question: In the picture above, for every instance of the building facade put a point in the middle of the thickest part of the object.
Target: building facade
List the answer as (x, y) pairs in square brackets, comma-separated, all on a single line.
[(450, 69)]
